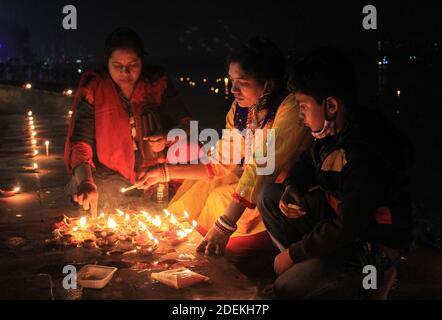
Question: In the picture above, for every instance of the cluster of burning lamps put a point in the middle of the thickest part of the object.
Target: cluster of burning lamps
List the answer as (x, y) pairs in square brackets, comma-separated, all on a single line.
[(215, 90), (139, 230), (34, 153)]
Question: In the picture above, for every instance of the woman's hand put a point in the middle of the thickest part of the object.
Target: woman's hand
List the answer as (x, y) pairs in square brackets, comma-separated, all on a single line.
[(291, 204), (214, 242), (87, 196), (148, 177)]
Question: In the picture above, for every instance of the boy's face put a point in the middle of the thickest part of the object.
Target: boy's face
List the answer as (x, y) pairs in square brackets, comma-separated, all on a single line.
[(310, 112)]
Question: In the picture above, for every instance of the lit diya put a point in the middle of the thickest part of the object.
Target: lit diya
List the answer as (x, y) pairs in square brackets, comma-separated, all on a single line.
[(124, 233)]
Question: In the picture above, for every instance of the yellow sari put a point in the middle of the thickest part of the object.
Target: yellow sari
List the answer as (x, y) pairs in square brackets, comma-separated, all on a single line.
[(206, 200)]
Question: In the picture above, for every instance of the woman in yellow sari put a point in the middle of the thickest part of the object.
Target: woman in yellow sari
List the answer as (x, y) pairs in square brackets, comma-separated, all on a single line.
[(221, 195)]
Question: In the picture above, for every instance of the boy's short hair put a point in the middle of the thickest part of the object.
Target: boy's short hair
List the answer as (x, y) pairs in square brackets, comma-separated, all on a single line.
[(325, 73)]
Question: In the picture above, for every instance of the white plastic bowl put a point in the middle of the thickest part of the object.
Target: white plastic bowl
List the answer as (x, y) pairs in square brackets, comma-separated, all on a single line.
[(94, 276)]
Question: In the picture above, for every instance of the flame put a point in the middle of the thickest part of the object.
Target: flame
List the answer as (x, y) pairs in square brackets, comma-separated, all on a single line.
[(120, 213), (111, 223), (47, 143), (102, 215), (142, 226), (157, 222), (181, 234), (75, 229), (173, 219), (156, 241), (35, 152), (150, 235), (127, 218), (32, 127), (147, 215), (166, 212), (16, 189), (186, 215), (35, 166), (30, 113), (194, 224), (83, 221)]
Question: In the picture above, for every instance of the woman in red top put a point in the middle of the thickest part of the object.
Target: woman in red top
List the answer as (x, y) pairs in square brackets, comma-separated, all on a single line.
[(108, 139)]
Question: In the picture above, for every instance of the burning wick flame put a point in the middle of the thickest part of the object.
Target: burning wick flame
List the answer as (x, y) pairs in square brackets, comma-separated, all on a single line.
[(157, 222), (83, 222), (30, 113), (120, 213), (35, 152), (167, 213), (186, 215), (111, 223), (35, 166), (16, 189)]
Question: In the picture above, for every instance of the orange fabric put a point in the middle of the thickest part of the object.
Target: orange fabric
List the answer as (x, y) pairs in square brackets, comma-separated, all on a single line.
[(246, 246), (112, 128), (382, 215), (81, 153)]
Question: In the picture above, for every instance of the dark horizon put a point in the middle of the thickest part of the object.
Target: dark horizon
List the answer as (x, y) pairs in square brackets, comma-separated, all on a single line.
[(195, 29)]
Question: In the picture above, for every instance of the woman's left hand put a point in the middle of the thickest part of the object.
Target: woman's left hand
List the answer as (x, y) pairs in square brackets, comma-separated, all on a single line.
[(214, 242), (148, 177)]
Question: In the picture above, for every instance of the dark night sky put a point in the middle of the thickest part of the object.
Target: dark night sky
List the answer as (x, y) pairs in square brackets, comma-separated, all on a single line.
[(176, 28)]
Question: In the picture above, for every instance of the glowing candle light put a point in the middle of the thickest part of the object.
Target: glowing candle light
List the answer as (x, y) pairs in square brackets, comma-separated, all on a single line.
[(31, 118), (35, 166), (83, 221), (216, 91), (16, 190), (34, 134), (120, 213), (32, 127), (35, 152), (30, 113), (186, 215), (167, 213), (34, 142), (157, 221), (28, 86), (31, 122), (70, 113), (194, 224), (47, 148), (111, 223)]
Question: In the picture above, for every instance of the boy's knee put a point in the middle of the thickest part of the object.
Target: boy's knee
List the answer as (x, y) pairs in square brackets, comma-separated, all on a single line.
[(269, 197)]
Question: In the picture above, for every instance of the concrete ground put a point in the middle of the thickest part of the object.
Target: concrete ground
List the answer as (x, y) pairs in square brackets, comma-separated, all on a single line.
[(29, 269)]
